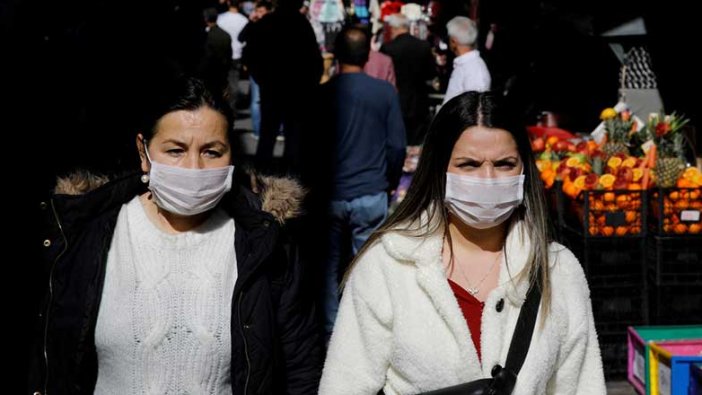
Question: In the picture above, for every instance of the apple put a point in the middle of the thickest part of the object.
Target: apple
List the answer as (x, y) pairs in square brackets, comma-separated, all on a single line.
[(538, 144), (591, 181)]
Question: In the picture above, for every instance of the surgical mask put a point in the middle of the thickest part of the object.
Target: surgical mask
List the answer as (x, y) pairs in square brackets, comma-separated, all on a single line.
[(187, 192), (483, 203)]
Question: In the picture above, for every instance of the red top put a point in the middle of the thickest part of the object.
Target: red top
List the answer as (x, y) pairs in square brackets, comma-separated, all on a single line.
[(472, 310)]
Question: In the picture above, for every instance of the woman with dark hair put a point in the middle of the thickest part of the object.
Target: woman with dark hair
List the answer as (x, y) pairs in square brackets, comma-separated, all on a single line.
[(433, 298), (175, 279)]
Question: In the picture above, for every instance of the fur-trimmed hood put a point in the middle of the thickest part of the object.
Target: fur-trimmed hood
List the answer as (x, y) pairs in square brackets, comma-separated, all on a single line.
[(280, 196)]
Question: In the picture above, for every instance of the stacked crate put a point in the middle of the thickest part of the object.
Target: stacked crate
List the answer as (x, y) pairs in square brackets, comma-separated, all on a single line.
[(606, 231), (675, 256)]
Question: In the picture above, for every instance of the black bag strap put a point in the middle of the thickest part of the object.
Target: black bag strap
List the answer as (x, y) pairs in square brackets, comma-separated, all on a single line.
[(524, 330), (504, 379)]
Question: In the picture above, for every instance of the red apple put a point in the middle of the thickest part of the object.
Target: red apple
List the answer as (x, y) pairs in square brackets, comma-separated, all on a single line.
[(591, 181), (538, 144)]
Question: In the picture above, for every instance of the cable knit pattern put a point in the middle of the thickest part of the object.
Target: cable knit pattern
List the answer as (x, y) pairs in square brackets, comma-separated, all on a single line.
[(165, 314)]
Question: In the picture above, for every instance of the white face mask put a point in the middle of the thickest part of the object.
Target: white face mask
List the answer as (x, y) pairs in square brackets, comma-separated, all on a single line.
[(188, 191), (483, 203)]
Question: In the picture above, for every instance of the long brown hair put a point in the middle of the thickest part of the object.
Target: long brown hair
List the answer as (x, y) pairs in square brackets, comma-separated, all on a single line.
[(425, 196)]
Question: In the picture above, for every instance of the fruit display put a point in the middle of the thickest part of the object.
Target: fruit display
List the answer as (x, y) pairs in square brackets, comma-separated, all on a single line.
[(678, 210), (603, 184)]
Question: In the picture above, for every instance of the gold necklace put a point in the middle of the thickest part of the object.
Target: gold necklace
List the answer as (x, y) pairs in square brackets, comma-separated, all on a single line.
[(474, 289)]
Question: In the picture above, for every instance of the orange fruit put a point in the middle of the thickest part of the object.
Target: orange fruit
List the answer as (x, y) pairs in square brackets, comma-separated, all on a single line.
[(680, 229), (630, 216), (614, 162), (609, 197), (695, 228), (608, 113), (638, 173), (607, 180), (633, 187), (570, 189), (607, 231), (674, 196), (690, 173), (573, 161), (683, 183), (580, 182), (695, 194), (542, 164), (621, 230), (629, 162), (592, 230)]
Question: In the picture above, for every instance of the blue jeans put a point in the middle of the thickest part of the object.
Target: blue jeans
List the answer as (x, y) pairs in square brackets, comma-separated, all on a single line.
[(255, 106), (361, 216)]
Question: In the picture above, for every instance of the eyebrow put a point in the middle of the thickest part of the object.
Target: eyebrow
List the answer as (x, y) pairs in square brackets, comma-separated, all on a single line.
[(469, 159), (206, 145)]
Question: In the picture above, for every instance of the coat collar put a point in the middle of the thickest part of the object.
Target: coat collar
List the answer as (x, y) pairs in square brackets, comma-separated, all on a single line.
[(416, 247), (423, 250)]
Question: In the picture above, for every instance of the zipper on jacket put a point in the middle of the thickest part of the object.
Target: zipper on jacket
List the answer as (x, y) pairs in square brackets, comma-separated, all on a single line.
[(246, 345), (51, 296)]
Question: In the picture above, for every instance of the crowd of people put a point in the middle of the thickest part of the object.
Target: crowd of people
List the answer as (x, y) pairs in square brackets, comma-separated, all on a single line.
[(202, 272)]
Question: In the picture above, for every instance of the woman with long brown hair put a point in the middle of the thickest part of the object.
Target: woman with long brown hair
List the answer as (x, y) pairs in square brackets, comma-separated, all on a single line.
[(433, 299)]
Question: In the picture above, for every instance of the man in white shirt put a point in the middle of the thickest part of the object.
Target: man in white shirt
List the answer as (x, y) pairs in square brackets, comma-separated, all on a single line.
[(232, 22), (469, 70)]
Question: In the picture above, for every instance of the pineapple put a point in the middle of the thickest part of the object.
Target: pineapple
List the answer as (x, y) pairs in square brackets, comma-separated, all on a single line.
[(670, 164), (617, 131)]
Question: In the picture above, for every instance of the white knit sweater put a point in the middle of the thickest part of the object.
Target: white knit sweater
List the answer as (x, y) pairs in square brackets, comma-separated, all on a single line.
[(400, 328), (165, 314)]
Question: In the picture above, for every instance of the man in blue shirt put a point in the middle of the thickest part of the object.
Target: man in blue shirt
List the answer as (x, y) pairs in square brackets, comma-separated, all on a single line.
[(369, 150)]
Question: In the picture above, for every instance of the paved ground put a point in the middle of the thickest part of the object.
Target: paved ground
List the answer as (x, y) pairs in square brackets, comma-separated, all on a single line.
[(620, 388)]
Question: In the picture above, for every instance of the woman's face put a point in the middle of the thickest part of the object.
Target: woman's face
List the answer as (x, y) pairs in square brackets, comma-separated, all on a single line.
[(189, 139), (486, 153)]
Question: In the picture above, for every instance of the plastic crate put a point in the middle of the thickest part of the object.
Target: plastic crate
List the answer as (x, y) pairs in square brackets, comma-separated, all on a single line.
[(614, 354), (606, 214), (676, 211), (638, 338), (695, 385), (670, 364), (612, 262), (618, 304), (675, 304), (675, 260)]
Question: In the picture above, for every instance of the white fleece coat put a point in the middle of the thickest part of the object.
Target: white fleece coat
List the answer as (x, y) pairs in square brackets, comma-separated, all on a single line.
[(399, 327)]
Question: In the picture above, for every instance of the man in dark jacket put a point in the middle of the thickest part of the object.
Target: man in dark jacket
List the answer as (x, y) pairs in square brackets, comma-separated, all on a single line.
[(283, 57), (217, 55), (414, 67)]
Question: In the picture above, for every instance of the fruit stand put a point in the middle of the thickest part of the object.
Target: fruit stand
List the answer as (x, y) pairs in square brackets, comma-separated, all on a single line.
[(628, 205)]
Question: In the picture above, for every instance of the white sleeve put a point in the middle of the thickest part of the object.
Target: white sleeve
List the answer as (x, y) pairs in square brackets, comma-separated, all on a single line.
[(454, 86), (580, 363), (359, 349)]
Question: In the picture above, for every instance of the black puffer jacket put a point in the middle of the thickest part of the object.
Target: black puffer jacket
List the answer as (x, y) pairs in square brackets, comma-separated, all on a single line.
[(275, 343)]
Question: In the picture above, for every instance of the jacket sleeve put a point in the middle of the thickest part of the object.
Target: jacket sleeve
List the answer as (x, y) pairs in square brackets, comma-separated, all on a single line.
[(299, 332), (359, 349), (580, 364)]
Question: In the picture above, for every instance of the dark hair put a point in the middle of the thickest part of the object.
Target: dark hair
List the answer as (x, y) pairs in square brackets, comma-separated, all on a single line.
[(427, 191), (185, 93), (265, 4), (233, 3), (352, 46), (210, 15)]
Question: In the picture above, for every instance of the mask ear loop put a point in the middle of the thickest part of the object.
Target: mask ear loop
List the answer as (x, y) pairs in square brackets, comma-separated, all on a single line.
[(145, 177)]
